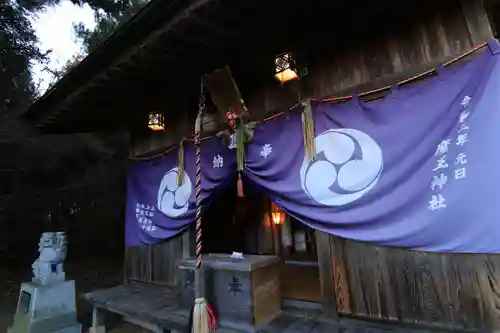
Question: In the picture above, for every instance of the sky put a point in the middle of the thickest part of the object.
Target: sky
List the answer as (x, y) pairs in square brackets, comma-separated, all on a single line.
[(54, 28)]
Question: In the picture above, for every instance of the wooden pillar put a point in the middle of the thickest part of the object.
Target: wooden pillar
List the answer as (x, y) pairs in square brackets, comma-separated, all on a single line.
[(277, 238), (477, 21), (186, 244), (326, 273), (98, 321), (125, 267)]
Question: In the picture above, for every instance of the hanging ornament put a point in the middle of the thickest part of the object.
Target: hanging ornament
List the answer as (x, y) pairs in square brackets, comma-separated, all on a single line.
[(239, 186), (180, 162), (308, 130), (240, 155), (231, 121), (244, 134)]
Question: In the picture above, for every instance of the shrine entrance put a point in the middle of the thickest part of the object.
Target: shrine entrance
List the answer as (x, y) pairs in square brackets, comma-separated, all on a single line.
[(255, 225)]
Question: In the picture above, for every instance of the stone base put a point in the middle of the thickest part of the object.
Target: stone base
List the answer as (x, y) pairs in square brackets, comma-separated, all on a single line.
[(46, 309)]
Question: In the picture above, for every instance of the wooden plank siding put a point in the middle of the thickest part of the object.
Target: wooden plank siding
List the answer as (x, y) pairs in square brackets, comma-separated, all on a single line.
[(156, 263), (451, 290), (410, 45)]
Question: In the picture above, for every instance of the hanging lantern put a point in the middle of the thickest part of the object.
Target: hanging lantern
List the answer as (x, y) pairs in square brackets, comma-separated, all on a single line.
[(156, 121), (285, 67), (277, 214)]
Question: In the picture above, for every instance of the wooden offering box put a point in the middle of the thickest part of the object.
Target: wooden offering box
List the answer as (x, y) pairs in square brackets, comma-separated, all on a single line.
[(244, 293)]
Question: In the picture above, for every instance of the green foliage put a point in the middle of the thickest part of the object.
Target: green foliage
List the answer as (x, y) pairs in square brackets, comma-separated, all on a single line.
[(57, 182), (108, 19), (107, 23), (18, 47)]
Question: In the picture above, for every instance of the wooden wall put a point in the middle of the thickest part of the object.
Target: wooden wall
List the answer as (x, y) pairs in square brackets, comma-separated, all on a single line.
[(157, 263), (379, 55), (453, 290), (376, 53)]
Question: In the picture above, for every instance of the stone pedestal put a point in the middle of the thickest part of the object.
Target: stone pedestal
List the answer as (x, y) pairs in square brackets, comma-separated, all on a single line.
[(46, 309), (244, 293), (47, 304)]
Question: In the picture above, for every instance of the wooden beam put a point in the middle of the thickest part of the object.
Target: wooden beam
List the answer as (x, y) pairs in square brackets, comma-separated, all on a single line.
[(326, 273), (150, 39), (197, 39), (215, 28), (477, 20)]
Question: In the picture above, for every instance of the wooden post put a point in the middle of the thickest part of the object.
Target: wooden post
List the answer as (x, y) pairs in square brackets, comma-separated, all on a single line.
[(326, 274), (125, 267), (98, 325), (186, 244), (477, 21), (277, 238)]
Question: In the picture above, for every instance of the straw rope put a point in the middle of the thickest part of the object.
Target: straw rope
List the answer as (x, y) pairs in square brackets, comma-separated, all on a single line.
[(308, 130)]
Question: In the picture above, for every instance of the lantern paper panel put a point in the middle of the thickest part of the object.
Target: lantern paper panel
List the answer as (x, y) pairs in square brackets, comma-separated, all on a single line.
[(156, 121), (286, 68)]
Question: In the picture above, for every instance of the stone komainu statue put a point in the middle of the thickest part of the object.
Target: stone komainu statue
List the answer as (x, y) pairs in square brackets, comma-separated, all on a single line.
[(49, 266), (47, 304)]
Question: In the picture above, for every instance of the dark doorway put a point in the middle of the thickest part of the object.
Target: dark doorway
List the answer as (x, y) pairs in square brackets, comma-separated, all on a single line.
[(231, 223), (220, 233)]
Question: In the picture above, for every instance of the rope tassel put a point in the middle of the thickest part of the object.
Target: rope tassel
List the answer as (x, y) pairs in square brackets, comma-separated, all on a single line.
[(240, 145), (244, 134), (239, 184), (180, 162), (308, 130)]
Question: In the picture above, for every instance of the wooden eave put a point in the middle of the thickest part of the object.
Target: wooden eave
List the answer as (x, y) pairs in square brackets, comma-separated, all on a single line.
[(166, 47)]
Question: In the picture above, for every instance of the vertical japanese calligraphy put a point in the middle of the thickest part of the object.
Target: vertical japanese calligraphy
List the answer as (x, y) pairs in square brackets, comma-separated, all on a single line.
[(440, 178), (144, 215), (462, 138), (235, 286)]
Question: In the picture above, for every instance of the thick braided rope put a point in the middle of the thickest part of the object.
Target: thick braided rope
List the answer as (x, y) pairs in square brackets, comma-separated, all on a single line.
[(197, 141)]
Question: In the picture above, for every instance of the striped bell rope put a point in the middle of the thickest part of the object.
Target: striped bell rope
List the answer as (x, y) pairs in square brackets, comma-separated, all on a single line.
[(204, 319)]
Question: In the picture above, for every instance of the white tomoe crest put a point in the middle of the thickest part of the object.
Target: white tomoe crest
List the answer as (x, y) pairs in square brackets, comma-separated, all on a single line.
[(348, 164), (173, 199)]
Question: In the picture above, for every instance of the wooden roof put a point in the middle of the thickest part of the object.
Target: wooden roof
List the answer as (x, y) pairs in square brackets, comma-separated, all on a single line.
[(167, 46)]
